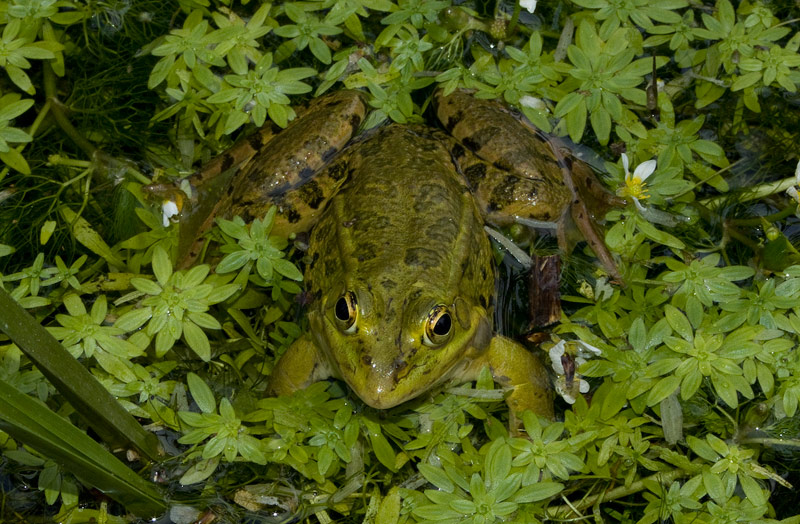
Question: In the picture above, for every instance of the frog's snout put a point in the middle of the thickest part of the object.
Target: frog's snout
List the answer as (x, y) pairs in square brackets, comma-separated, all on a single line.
[(381, 380)]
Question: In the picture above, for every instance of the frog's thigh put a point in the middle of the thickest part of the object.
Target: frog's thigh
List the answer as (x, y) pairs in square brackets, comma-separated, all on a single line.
[(514, 366), (298, 368)]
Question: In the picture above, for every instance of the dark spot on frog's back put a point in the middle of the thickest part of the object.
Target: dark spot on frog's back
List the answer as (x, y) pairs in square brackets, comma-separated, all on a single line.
[(311, 194), (453, 120), (255, 141), (366, 251), (443, 231), (480, 138), (457, 151), (422, 257), (291, 215), (227, 163), (429, 194), (373, 223), (355, 121), (503, 164), (504, 191), (388, 284), (337, 171), (367, 360), (475, 173)]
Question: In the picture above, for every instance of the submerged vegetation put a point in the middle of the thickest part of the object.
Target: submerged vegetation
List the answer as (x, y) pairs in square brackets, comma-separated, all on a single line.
[(691, 364)]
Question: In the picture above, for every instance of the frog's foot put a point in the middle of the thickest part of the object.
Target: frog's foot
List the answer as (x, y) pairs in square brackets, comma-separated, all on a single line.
[(516, 368)]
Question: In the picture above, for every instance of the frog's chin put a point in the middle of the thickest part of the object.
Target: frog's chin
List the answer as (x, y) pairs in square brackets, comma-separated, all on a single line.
[(384, 391)]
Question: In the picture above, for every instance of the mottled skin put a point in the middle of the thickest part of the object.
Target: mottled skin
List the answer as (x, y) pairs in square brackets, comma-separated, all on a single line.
[(398, 243), (422, 247)]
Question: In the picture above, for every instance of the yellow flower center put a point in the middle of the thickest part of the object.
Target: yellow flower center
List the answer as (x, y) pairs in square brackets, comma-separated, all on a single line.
[(636, 188)]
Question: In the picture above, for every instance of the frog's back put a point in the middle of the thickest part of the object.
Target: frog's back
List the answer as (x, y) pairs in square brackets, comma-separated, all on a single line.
[(405, 218)]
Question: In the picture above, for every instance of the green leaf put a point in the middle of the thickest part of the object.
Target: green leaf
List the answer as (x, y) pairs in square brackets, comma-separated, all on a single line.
[(752, 490), (200, 471), (437, 477), (537, 492), (714, 486), (14, 159), (498, 462), (162, 266), (197, 340), (679, 322), (86, 235), (14, 109), (134, 319), (663, 388), (146, 286), (30, 421), (576, 121), (287, 269), (201, 393), (382, 449)]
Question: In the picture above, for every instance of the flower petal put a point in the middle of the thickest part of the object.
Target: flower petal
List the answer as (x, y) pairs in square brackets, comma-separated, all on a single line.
[(586, 350), (555, 356), (644, 170), (529, 5), (168, 210), (625, 165)]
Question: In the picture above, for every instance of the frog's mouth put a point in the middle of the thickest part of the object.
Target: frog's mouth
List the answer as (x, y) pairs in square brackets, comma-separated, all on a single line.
[(389, 384)]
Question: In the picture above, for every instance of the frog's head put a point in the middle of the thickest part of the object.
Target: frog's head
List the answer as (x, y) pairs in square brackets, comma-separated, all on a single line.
[(390, 348)]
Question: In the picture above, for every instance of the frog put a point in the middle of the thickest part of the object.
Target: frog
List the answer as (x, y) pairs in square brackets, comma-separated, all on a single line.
[(400, 280)]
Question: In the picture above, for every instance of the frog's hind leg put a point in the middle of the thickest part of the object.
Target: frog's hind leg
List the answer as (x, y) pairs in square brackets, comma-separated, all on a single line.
[(524, 172), (294, 170)]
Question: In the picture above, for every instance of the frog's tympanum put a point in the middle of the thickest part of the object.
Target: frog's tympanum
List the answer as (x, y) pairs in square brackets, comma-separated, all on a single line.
[(401, 276)]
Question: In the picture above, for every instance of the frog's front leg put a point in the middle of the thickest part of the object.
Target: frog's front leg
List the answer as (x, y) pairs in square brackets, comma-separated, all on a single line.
[(298, 368), (515, 367)]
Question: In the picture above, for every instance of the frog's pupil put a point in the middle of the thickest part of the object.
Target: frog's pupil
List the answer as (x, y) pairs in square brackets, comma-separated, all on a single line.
[(342, 310), (442, 326)]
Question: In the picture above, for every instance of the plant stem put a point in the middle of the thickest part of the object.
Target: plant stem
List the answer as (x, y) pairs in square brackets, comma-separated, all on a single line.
[(771, 442), (757, 221), (753, 193), (566, 510), (514, 18)]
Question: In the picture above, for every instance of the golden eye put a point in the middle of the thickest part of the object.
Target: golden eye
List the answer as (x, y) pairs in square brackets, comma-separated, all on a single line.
[(438, 326), (346, 312)]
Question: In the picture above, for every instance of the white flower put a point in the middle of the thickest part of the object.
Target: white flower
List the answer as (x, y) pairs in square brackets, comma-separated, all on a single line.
[(529, 5), (569, 384), (168, 210), (634, 184)]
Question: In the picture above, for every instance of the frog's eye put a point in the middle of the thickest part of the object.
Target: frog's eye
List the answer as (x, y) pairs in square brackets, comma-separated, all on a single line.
[(346, 312), (438, 326)]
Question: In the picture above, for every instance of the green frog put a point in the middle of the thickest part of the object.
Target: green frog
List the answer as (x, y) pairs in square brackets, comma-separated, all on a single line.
[(401, 277)]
